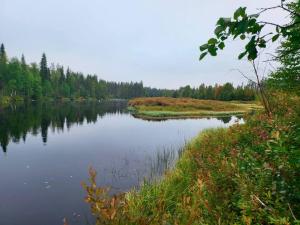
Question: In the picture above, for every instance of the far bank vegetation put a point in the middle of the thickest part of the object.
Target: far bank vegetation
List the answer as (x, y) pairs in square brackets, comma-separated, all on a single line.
[(164, 107)]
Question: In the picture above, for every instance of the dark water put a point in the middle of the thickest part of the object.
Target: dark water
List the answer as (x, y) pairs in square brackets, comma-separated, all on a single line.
[(47, 149)]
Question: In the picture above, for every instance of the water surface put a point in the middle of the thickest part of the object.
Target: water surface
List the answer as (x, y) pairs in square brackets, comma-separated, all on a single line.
[(48, 148)]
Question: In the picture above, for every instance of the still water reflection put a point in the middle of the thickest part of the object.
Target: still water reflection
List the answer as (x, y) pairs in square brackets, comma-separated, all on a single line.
[(47, 149)]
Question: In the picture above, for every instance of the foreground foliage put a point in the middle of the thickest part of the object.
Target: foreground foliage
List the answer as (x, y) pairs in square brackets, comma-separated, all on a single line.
[(246, 174), (259, 35)]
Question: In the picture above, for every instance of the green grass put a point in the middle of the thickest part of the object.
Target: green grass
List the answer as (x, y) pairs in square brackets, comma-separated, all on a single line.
[(168, 108)]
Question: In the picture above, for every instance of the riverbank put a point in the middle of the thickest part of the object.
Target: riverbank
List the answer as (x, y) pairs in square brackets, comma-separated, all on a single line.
[(246, 174), (170, 108), (6, 101)]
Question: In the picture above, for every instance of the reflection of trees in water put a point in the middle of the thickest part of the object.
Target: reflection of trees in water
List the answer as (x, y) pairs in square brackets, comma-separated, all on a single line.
[(38, 117)]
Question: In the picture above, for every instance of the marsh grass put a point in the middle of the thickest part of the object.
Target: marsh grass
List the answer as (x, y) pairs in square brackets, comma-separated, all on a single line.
[(164, 107), (163, 162)]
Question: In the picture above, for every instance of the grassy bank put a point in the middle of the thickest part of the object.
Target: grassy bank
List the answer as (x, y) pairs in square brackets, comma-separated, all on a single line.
[(246, 174), (167, 108)]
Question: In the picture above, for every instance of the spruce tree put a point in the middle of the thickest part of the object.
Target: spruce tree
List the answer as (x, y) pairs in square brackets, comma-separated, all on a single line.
[(3, 62), (3, 57), (62, 77), (23, 63), (44, 71)]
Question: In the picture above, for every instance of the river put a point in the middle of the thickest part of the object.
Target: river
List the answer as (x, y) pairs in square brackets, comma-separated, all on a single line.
[(47, 149)]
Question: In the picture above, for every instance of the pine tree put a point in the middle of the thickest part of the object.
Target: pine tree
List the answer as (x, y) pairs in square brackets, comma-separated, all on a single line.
[(23, 63), (62, 77), (44, 71), (3, 57), (3, 62), (68, 74)]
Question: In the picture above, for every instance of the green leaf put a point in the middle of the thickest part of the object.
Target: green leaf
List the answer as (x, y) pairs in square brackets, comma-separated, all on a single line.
[(224, 21), (240, 12), (242, 55), (252, 22), (251, 48), (254, 27), (202, 55), (212, 41), (262, 43), (237, 13), (243, 36), (221, 22), (242, 26), (275, 37), (223, 38), (252, 54), (212, 50), (221, 45), (218, 30), (204, 47)]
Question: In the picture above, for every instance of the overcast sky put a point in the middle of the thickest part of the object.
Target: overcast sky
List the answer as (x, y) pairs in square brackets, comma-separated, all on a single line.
[(156, 41)]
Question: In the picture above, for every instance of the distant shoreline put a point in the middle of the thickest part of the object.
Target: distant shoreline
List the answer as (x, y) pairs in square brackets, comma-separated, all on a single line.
[(17, 100)]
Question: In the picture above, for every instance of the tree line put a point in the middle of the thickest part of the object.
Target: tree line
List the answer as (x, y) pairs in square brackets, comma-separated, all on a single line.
[(36, 81), (226, 92)]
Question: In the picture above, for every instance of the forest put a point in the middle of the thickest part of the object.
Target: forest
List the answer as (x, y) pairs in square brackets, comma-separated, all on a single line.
[(19, 80)]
